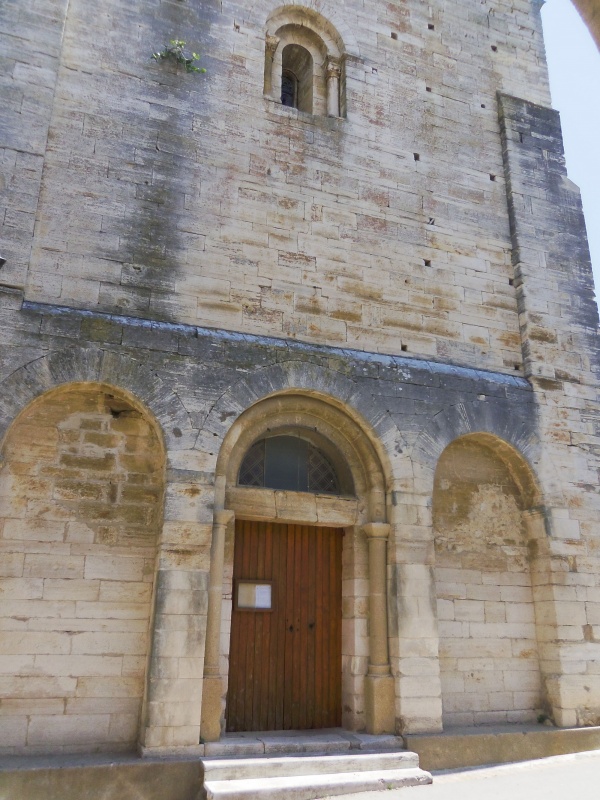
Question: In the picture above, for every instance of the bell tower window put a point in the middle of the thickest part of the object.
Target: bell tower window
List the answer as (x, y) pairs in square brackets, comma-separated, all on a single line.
[(289, 89), (297, 74), (305, 62)]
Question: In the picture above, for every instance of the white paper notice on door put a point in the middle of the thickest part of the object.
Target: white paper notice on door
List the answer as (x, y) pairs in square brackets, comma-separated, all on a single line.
[(254, 595), (263, 595)]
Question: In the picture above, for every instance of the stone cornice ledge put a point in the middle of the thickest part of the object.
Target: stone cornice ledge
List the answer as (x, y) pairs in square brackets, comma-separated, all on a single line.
[(436, 368)]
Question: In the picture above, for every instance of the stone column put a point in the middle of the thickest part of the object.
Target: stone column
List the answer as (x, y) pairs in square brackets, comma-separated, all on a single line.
[(379, 683), (271, 43), (210, 725), (171, 715), (334, 72)]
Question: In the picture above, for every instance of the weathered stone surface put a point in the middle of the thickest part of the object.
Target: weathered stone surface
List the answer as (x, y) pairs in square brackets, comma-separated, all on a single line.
[(190, 263), (119, 779)]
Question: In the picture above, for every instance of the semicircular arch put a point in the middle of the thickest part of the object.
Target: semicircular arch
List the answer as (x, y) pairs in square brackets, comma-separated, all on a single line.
[(78, 365), (510, 432), (310, 396), (325, 21)]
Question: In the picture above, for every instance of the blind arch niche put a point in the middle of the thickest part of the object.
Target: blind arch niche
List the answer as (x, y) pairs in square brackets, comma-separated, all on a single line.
[(294, 462)]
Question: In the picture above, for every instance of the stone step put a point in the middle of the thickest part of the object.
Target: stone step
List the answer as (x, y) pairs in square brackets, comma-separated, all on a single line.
[(311, 787), (220, 769), (284, 743)]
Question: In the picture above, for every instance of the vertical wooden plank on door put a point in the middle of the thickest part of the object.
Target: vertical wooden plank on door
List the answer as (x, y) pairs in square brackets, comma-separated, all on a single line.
[(332, 676), (261, 646), (273, 634), (319, 629), (327, 611), (259, 547), (281, 536), (302, 645), (249, 567), (289, 632), (297, 616), (311, 672)]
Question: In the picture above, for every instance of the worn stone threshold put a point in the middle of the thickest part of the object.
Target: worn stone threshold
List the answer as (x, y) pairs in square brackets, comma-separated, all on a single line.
[(310, 742)]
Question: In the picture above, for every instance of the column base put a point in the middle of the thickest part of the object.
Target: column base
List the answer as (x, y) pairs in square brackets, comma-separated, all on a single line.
[(210, 724), (380, 704)]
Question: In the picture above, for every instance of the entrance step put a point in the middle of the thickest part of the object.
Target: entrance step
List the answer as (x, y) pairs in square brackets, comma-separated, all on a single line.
[(499, 744), (306, 777), (319, 742)]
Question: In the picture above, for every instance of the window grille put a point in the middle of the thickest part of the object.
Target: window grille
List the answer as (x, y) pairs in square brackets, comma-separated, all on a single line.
[(288, 462), (252, 471)]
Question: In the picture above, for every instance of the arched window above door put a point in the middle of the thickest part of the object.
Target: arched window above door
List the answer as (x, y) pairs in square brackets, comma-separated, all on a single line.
[(304, 62), (292, 463)]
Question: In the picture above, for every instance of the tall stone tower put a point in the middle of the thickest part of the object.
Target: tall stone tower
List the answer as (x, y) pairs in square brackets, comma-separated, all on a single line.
[(299, 375)]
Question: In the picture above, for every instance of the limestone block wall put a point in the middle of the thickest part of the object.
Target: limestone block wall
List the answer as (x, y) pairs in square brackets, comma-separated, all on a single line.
[(196, 382), (559, 328), (194, 199), (81, 486), (429, 248), (32, 35), (486, 616)]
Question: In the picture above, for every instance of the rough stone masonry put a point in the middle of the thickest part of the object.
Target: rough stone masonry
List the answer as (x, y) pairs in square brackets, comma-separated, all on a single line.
[(399, 274)]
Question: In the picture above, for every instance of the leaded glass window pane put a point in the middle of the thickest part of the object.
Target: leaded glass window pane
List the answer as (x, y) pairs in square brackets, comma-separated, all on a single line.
[(252, 471), (288, 89), (286, 463), (321, 475), (290, 463)]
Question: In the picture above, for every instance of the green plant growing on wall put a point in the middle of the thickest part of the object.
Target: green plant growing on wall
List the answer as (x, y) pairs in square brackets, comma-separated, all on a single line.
[(175, 51)]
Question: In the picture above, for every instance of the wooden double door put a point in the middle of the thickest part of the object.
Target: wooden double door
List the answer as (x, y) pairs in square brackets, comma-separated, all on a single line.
[(285, 654)]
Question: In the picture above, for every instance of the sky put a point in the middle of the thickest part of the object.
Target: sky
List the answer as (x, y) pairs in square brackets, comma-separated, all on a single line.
[(574, 66)]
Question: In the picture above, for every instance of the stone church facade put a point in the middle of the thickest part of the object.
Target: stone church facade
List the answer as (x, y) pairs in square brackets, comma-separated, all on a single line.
[(382, 280)]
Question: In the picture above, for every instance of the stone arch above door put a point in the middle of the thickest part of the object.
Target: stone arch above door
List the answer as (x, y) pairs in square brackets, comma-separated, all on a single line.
[(338, 393), (369, 689)]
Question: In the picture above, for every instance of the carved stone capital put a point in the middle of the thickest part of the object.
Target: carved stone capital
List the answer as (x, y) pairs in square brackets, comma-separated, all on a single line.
[(223, 517), (271, 43), (334, 68), (377, 530)]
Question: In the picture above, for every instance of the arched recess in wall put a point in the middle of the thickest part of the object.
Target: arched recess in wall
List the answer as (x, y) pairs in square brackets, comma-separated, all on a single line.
[(81, 491), (305, 61), (359, 509), (489, 543)]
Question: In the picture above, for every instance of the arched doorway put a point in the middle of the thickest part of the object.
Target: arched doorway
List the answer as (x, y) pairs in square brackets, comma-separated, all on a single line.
[(484, 552), (332, 536), (286, 626), (81, 493)]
